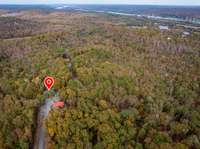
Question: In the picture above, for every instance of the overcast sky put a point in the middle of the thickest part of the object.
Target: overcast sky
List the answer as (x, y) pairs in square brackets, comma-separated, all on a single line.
[(154, 2)]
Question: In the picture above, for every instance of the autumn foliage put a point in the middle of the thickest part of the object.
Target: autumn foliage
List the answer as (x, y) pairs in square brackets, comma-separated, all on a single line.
[(122, 87)]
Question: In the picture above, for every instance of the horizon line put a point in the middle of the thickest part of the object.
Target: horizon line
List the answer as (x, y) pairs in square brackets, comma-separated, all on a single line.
[(96, 4)]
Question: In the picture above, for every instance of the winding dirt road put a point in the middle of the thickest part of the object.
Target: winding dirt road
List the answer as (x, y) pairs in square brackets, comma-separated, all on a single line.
[(39, 142)]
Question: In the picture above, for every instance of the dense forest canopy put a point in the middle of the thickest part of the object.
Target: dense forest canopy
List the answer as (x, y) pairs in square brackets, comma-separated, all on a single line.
[(123, 87)]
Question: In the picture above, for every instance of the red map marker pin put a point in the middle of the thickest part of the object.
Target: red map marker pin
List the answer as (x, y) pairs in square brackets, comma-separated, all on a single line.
[(49, 82)]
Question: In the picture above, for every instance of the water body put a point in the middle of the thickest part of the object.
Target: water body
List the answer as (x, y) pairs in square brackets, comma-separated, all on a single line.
[(175, 13), (189, 14)]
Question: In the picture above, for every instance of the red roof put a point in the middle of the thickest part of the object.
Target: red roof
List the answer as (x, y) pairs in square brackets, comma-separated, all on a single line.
[(58, 104)]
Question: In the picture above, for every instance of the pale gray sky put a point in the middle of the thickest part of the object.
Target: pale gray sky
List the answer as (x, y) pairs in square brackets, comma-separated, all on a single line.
[(154, 2)]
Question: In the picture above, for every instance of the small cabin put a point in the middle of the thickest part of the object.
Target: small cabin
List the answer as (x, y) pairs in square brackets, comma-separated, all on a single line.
[(58, 104), (186, 33), (163, 27)]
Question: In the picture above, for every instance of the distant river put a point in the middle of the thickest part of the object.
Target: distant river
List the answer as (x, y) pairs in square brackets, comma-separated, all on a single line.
[(176, 13)]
